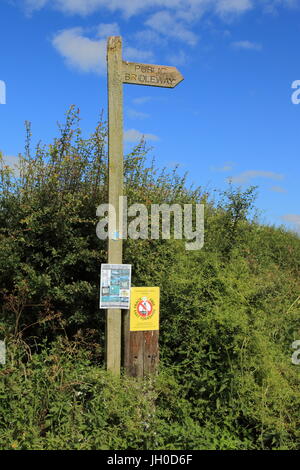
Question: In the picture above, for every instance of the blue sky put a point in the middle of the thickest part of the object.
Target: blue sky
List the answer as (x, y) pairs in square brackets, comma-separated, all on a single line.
[(231, 117)]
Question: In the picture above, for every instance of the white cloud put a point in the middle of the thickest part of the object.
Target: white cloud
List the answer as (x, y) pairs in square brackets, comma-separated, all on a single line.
[(133, 114), (108, 29), (132, 53), (278, 189), (2, 92), (293, 219), (32, 5), (178, 58), (89, 54), (246, 176), (174, 164), (133, 135), (224, 7), (272, 6), (228, 166), (186, 9), (247, 45), (166, 24), (169, 19), (142, 100), (86, 7), (13, 162), (81, 52), (149, 36)]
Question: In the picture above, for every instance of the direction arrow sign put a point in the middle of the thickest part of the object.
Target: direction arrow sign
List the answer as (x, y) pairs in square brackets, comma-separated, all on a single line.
[(149, 74)]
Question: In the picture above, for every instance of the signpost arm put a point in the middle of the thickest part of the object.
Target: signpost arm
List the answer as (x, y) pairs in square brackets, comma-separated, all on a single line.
[(115, 177)]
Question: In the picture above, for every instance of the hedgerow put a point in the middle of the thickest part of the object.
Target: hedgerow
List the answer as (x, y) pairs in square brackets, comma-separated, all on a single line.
[(229, 312)]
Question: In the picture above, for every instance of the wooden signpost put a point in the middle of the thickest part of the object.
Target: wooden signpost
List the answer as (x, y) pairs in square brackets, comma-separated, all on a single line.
[(119, 72), (153, 75)]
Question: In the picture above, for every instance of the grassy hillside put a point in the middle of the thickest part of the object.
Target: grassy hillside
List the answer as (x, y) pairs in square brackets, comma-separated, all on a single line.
[(229, 313)]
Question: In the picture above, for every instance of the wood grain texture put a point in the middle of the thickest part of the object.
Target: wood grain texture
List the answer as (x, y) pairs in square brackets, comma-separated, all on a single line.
[(164, 76), (151, 352), (141, 353), (115, 153)]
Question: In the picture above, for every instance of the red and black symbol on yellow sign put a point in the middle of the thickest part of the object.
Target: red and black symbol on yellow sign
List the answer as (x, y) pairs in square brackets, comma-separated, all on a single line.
[(144, 309)]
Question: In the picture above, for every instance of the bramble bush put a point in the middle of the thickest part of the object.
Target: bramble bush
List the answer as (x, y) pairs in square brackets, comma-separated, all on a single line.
[(229, 312)]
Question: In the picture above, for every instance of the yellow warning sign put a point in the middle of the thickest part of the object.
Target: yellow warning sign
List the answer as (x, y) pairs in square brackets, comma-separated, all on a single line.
[(144, 308)]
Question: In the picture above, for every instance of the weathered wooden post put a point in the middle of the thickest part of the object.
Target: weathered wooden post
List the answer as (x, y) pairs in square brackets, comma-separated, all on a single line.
[(140, 349), (115, 189)]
